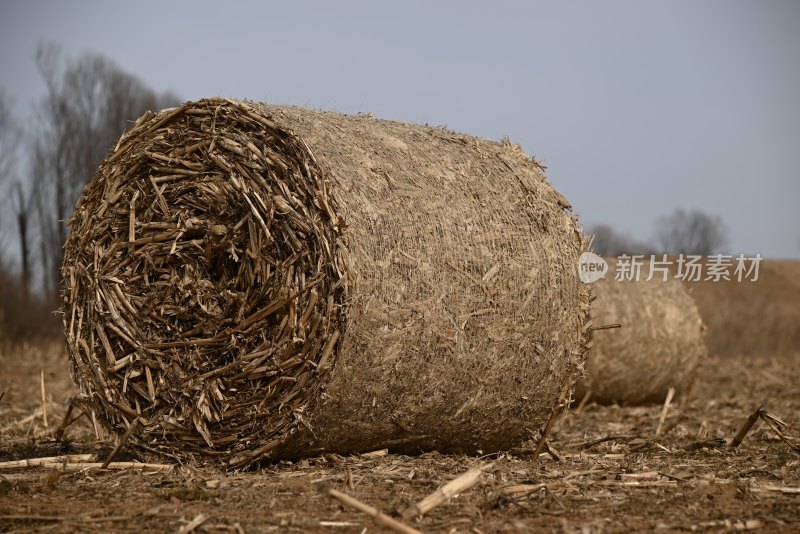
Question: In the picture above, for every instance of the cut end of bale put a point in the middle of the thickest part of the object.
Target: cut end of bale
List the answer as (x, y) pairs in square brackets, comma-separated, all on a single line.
[(202, 278)]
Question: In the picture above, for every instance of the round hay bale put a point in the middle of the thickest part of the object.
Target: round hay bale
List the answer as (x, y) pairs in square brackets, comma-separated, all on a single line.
[(658, 346), (254, 282)]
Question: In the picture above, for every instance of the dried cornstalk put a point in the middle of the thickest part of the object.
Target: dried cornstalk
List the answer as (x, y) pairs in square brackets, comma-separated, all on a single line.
[(451, 489), (377, 515)]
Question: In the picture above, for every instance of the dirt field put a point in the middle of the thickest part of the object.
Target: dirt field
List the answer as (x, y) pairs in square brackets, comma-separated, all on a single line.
[(629, 481), (752, 318)]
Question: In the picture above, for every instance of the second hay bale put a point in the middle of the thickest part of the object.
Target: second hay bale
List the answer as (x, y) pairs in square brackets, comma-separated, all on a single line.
[(658, 346)]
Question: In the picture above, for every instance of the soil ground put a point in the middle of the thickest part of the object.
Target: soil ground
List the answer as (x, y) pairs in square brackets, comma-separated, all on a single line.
[(632, 480), (761, 317)]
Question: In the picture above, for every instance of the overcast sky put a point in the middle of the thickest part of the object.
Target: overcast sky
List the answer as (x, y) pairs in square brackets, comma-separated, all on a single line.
[(637, 108)]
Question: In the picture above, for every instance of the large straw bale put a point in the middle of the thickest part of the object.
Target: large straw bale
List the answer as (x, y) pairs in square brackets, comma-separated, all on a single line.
[(255, 282)]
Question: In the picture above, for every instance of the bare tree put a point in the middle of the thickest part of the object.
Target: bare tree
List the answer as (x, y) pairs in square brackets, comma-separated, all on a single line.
[(9, 144), (22, 202), (20, 315), (609, 242), (9, 136), (88, 104), (693, 232)]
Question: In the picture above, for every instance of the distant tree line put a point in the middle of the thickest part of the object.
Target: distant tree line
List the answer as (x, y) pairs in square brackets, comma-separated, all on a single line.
[(45, 163), (89, 102), (681, 232)]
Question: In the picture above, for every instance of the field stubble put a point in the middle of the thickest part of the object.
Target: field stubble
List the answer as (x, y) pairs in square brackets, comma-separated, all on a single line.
[(607, 472)]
